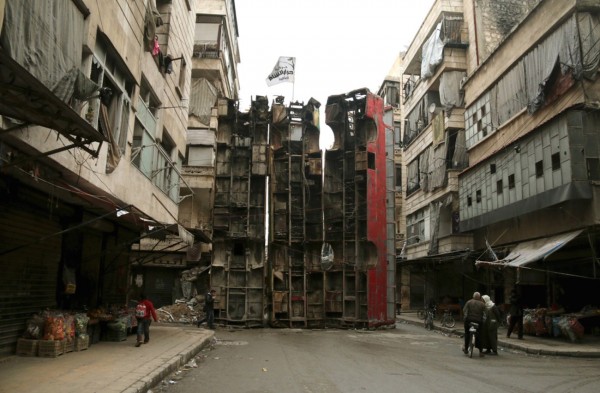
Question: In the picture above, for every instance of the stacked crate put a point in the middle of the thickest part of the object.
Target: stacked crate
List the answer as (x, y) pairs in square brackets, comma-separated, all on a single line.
[(27, 347), (51, 348)]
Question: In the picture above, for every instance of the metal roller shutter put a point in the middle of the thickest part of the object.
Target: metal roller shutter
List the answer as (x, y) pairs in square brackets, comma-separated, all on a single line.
[(29, 274)]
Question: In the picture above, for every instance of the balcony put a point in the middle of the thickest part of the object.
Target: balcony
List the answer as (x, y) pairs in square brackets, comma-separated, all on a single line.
[(199, 177), (447, 15), (206, 50), (446, 244)]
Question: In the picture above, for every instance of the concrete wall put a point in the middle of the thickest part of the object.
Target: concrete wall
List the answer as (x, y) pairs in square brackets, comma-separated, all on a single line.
[(490, 22), (532, 29)]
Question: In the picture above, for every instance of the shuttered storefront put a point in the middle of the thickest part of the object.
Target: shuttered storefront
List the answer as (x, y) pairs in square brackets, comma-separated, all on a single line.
[(159, 284), (29, 261)]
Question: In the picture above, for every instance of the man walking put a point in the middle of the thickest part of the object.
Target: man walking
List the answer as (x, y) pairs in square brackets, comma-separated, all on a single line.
[(516, 314), (209, 309), (473, 312)]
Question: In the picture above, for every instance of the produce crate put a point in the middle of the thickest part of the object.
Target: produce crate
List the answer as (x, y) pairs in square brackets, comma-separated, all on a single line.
[(82, 343), (93, 331), (68, 345), (26, 347), (115, 335), (51, 348)]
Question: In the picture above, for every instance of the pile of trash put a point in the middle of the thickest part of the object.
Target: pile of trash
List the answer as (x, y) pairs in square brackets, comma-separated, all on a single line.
[(183, 311)]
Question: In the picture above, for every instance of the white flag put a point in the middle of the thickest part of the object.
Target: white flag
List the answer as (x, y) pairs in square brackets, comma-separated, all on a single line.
[(283, 71)]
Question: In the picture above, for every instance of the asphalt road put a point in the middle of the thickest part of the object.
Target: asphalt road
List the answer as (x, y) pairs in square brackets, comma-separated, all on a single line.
[(406, 359)]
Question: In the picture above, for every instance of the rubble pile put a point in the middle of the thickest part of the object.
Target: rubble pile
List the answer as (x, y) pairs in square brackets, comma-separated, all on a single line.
[(181, 312)]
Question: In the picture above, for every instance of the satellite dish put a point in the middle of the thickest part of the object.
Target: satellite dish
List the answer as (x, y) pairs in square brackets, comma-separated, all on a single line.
[(432, 107)]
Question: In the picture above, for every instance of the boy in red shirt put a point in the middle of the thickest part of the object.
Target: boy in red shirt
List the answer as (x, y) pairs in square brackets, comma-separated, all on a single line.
[(143, 312)]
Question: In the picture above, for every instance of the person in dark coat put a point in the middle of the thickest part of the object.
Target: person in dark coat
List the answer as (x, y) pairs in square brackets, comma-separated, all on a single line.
[(516, 314), (473, 312), (209, 309), (489, 333)]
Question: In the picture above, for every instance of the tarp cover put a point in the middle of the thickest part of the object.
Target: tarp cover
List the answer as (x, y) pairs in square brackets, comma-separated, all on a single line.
[(45, 37), (451, 95), (432, 53), (534, 250), (203, 98), (573, 49)]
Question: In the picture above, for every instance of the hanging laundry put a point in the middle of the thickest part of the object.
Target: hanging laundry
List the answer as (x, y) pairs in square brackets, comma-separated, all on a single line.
[(155, 47)]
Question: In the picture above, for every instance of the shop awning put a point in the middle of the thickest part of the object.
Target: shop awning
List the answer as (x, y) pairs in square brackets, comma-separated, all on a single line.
[(134, 218), (534, 250)]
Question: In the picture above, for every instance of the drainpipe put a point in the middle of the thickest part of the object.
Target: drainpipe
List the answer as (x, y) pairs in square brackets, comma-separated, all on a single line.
[(475, 30)]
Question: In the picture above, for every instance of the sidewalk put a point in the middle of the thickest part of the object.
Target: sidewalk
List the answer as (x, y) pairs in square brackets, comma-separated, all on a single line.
[(588, 347), (107, 366)]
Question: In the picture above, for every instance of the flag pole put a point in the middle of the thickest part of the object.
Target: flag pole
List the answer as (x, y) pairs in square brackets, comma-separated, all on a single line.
[(294, 82), (293, 86)]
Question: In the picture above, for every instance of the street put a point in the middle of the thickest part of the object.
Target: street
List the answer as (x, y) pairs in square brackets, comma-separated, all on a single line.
[(408, 359)]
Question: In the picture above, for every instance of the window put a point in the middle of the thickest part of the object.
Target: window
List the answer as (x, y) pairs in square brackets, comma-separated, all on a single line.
[(555, 161), (478, 120), (163, 31), (164, 174), (207, 36), (392, 94), (413, 177), (182, 76), (478, 196), (499, 187), (398, 176), (415, 227), (492, 168), (539, 168), (593, 166), (371, 160), (149, 98), (511, 182), (153, 156), (198, 155), (469, 200), (110, 111)]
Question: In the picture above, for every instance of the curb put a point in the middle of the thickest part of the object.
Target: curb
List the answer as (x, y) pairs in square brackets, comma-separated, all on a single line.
[(170, 367), (546, 352), (504, 344)]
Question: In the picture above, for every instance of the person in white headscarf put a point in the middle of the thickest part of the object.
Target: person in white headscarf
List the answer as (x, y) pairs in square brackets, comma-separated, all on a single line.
[(489, 333)]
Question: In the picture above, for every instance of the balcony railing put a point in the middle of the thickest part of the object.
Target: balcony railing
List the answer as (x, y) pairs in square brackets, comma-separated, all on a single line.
[(206, 50), (156, 164)]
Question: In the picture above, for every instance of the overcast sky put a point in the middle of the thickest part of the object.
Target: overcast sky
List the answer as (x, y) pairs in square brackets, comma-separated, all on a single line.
[(339, 45)]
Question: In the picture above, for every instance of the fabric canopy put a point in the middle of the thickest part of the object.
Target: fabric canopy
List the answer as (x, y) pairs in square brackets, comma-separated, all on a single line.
[(534, 250)]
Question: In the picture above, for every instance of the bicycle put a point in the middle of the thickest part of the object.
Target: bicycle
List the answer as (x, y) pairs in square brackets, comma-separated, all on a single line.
[(447, 319), (473, 333), (429, 316)]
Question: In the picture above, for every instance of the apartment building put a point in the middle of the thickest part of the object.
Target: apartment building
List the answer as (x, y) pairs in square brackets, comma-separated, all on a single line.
[(93, 118), (390, 92), (432, 111), (530, 194), (214, 56)]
